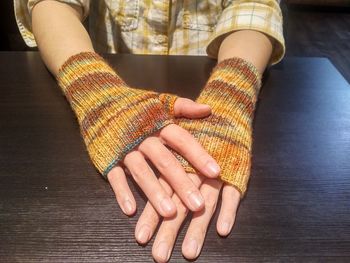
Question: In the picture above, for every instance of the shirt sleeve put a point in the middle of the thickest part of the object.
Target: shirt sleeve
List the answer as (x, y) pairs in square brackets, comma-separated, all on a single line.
[(23, 9), (261, 15)]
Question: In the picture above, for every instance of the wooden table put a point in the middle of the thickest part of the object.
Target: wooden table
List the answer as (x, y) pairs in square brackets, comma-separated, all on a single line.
[(54, 207)]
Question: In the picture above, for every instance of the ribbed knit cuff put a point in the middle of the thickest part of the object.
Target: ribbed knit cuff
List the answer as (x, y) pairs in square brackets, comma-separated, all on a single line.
[(113, 117), (231, 92), (168, 100)]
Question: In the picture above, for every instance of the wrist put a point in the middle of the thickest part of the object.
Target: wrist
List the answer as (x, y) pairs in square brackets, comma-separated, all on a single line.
[(250, 45)]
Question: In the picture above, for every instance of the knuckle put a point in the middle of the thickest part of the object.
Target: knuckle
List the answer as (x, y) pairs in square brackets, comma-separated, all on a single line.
[(182, 142), (166, 130), (149, 215), (187, 100), (203, 157), (210, 202), (148, 142), (166, 163), (140, 170), (130, 156)]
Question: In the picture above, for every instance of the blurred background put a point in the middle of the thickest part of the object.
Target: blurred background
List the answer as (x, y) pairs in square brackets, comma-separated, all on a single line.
[(316, 28)]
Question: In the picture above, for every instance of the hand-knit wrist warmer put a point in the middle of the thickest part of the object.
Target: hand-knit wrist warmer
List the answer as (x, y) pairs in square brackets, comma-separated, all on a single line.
[(113, 117), (226, 134)]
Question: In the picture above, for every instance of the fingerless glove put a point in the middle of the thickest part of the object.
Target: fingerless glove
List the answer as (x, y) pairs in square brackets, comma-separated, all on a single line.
[(113, 117), (226, 134)]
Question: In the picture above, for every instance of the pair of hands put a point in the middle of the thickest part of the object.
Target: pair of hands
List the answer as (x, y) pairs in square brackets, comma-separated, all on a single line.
[(175, 192)]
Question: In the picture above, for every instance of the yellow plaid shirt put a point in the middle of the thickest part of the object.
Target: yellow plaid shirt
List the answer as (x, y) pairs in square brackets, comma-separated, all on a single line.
[(174, 27)]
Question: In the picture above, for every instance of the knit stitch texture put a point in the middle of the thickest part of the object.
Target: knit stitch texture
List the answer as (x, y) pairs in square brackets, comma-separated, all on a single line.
[(113, 117), (226, 134)]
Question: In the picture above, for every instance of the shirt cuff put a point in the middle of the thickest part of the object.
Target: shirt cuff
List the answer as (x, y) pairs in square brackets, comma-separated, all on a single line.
[(23, 9), (264, 16)]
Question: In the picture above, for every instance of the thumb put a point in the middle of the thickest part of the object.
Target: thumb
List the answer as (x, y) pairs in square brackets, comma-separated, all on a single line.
[(183, 107), (189, 109)]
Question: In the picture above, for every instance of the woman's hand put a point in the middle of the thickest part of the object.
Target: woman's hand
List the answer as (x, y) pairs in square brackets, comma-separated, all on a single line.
[(168, 230), (154, 149)]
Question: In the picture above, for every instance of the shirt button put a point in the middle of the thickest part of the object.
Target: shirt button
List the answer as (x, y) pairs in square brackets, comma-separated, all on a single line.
[(161, 39)]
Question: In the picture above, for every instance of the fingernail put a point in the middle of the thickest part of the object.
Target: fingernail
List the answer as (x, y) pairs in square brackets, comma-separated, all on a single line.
[(196, 200), (128, 209), (225, 228), (163, 251), (192, 247), (167, 205), (143, 234), (213, 168)]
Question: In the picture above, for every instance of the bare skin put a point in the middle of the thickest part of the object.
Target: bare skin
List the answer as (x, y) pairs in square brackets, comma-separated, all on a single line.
[(54, 23), (60, 34), (254, 47)]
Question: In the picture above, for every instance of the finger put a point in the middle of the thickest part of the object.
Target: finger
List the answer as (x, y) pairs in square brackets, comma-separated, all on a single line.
[(149, 218), (149, 183), (146, 224), (196, 179), (187, 108), (197, 230), (169, 228), (121, 189), (166, 236), (229, 204), (173, 172), (185, 144)]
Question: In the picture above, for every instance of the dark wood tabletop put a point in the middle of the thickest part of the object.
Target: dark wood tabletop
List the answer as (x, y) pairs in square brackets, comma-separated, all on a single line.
[(54, 207)]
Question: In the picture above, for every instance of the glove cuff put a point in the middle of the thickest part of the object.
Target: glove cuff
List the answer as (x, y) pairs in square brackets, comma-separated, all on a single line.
[(168, 101), (113, 117)]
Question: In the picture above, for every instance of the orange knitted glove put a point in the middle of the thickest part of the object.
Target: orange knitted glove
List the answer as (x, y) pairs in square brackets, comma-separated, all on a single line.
[(113, 117), (226, 134)]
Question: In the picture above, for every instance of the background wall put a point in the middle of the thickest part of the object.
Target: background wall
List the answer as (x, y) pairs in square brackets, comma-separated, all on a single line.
[(10, 38), (321, 2)]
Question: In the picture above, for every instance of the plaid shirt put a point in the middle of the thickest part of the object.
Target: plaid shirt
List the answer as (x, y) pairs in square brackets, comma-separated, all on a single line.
[(174, 27)]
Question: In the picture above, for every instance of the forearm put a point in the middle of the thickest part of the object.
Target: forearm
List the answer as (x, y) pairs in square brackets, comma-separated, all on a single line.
[(249, 45), (59, 33)]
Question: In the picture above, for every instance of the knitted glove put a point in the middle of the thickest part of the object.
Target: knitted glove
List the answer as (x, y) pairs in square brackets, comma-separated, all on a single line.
[(113, 117), (226, 134)]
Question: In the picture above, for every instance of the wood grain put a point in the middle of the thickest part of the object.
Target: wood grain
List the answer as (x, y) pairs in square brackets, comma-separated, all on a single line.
[(319, 32), (54, 207)]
